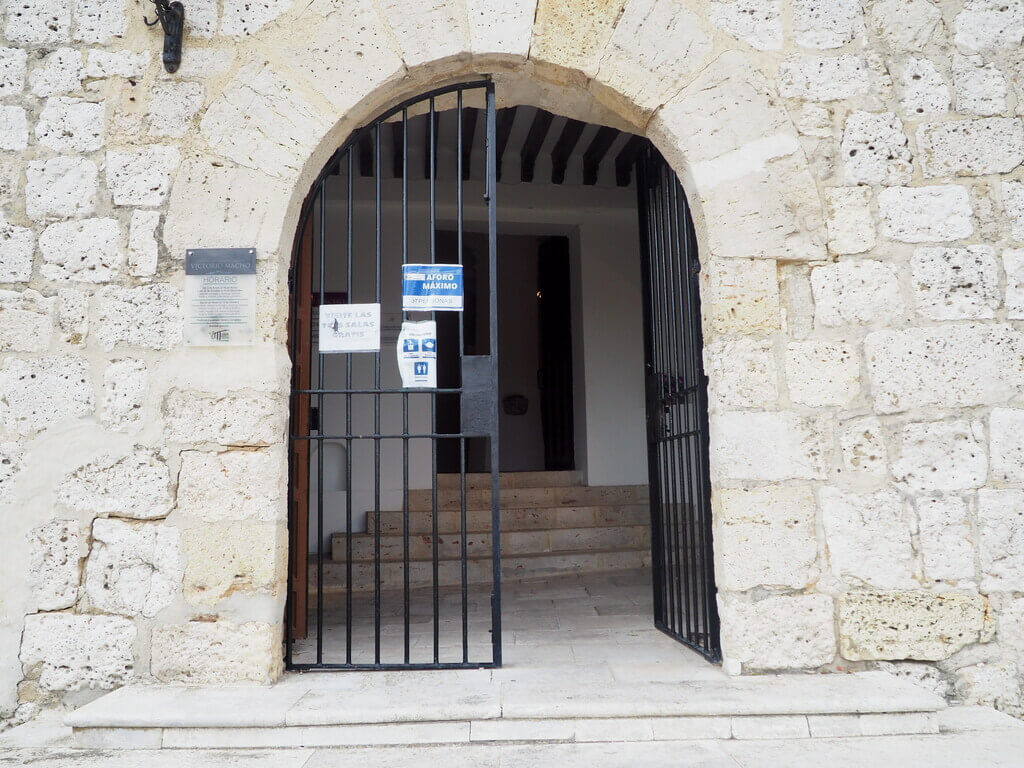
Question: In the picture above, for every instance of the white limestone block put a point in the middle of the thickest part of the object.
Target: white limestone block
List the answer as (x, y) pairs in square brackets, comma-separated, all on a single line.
[(70, 125), (431, 30), (211, 63), (125, 383), (1013, 266), (26, 321), (11, 463), (769, 446), (13, 128), (42, 22), (778, 632), (744, 295), (133, 568), (827, 23), (941, 456), (60, 72), (925, 214), (76, 652), (742, 373), (1006, 429), (17, 244), (501, 28), (214, 652), (823, 78), (136, 486), (945, 366), (766, 537), (173, 106), (1011, 626), (41, 391), (822, 373), (856, 293), (874, 149), (756, 22), (100, 63), (868, 538), (230, 418), (201, 19), (571, 35), (12, 71), (862, 443), (989, 25), (55, 563), (971, 147), (919, 20), (225, 559), (1001, 528), (143, 249), (851, 226), (1013, 201), (141, 176), (148, 316), (908, 625), (946, 539), (956, 283), (86, 250), (61, 187), (922, 89), (73, 315), (815, 120), (233, 485), (99, 21), (980, 88), (991, 685), (240, 18)]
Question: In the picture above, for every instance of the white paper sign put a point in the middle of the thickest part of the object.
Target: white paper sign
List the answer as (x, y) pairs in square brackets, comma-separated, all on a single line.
[(220, 296), (349, 328), (417, 355)]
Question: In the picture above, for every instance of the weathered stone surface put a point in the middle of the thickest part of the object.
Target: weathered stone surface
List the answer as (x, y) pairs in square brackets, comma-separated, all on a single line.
[(823, 78), (98, 21), (135, 486), (1011, 626), (856, 293), (971, 147), (141, 176), (919, 21), (875, 150), (133, 568), (125, 383), (223, 559), (908, 625), (73, 315), (1013, 266), (101, 63), (45, 390), (991, 685), (60, 72), (766, 537), (506, 28), (55, 563), (868, 538), (216, 652), (774, 445), (1006, 428), (201, 19), (755, 22), (945, 536), (826, 24), (435, 29), (143, 249), (573, 35), (173, 106), (744, 296), (148, 316), (11, 464), (956, 283), (1001, 527), (980, 88), (40, 22), (230, 418), (233, 485), (12, 71), (74, 652), (925, 214), (13, 129), (70, 125), (922, 89), (26, 321), (989, 25), (851, 227), (921, 674), (61, 187), (784, 632), (862, 443), (86, 250), (823, 373), (240, 18), (815, 120), (16, 247), (742, 373), (941, 456), (1013, 201)]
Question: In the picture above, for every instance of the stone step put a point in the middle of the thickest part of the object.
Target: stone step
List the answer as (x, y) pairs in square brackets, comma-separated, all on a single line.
[(567, 496), (479, 544), (482, 480), (478, 569), (513, 519)]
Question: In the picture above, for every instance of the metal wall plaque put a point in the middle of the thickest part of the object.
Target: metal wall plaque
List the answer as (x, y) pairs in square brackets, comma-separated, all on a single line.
[(220, 296)]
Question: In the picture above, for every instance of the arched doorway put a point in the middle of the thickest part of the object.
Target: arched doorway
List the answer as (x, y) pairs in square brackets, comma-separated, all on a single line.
[(399, 491)]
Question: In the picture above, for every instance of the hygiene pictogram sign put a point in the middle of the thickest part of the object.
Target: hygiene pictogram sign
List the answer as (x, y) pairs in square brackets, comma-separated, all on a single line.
[(417, 355), (432, 287)]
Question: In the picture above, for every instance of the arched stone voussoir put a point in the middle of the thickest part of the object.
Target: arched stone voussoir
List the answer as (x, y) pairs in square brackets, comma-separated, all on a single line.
[(428, 31), (570, 35), (735, 147), (501, 29)]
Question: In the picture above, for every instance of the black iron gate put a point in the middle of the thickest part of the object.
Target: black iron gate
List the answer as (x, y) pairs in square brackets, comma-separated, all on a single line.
[(677, 420), (381, 597)]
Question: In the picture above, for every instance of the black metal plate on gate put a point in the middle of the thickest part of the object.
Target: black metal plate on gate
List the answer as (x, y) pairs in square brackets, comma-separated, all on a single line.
[(479, 415)]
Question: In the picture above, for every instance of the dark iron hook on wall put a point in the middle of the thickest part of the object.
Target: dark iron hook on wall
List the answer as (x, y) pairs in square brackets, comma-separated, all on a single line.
[(170, 16)]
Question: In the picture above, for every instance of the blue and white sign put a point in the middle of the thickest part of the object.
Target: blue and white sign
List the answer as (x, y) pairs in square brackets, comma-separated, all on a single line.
[(432, 287), (417, 355)]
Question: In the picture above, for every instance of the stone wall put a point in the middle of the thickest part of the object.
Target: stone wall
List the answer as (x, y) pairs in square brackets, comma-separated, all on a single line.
[(855, 171)]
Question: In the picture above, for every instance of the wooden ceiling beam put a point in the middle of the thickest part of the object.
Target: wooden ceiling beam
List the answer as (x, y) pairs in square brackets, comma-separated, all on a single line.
[(560, 153), (595, 153), (626, 159), (534, 140), (506, 118)]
